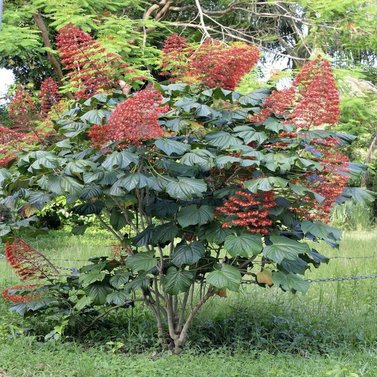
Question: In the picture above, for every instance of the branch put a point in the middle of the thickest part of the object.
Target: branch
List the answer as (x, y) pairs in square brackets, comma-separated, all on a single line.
[(46, 40), (201, 17)]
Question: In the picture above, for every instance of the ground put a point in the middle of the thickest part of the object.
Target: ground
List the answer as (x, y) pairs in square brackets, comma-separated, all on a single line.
[(330, 331)]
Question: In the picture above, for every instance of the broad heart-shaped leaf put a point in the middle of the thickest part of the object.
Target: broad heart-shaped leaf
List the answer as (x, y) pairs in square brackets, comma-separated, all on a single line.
[(222, 139), (141, 262), (98, 293), (244, 245), (134, 180), (117, 219), (63, 184), (193, 215), (290, 282), (198, 157), (248, 134), (265, 184), (95, 116), (89, 208), (177, 281), (215, 233), (169, 146), (186, 188), (188, 254), (164, 233), (284, 248), (321, 231), (91, 277), (226, 277), (359, 195), (120, 278), (117, 297), (120, 160), (296, 266)]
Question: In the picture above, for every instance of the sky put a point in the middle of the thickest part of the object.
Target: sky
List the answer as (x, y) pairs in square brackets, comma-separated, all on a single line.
[(6, 79)]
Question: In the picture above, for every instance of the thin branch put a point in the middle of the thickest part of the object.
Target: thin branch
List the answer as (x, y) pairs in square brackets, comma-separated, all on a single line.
[(201, 17)]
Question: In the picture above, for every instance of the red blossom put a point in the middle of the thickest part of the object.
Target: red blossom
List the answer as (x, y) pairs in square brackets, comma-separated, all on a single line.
[(22, 111), (213, 64), (21, 293), (92, 69), (27, 262), (248, 210), (132, 121), (313, 99), (49, 95)]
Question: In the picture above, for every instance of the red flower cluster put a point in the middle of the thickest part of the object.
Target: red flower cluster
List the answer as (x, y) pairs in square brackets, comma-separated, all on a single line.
[(91, 68), (313, 99), (248, 210), (328, 183), (22, 111), (132, 121), (319, 97), (49, 95), (175, 57), (10, 143), (27, 262), (214, 64), (21, 293)]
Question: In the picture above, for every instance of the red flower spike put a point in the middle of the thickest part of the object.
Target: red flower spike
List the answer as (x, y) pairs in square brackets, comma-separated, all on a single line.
[(49, 95), (247, 210), (21, 293), (92, 69), (132, 121), (313, 99), (22, 111), (27, 262), (213, 64)]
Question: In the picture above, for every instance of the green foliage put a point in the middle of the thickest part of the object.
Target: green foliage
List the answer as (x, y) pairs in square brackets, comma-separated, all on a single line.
[(160, 201)]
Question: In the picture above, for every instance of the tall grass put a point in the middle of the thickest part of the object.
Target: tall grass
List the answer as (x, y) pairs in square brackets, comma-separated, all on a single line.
[(353, 216)]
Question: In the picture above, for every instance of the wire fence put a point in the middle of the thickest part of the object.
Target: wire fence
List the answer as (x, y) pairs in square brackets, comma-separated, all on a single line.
[(75, 270)]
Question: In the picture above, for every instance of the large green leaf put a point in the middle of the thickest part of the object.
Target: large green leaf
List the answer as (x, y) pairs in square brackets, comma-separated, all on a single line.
[(186, 188), (95, 116), (117, 298), (296, 266), (98, 293), (120, 160), (290, 282), (194, 215), (284, 248), (177, 281), (215, 233), (188, 254), (222, 139), (91, 277), (248, 134), (265, 184), (169, 146), (244, 244), (320, 230), (134, 180), (141, 262), (120, 278), (198, 157), (226, 277), (165, 233)]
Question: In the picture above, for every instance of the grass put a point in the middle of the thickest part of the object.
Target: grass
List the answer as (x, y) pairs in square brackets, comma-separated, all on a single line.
[(330, 331)]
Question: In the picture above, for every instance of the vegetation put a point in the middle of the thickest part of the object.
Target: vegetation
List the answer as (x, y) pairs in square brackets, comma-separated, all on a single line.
[(198, 199), (328, 331)]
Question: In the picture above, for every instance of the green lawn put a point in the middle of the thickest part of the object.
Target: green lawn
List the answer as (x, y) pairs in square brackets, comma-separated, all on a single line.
[(330, 331)]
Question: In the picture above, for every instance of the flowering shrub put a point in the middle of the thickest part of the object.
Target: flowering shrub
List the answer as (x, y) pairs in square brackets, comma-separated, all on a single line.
[(198, 188)]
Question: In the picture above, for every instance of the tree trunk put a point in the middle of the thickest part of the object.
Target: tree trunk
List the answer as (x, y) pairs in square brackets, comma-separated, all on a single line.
[(46, 41)]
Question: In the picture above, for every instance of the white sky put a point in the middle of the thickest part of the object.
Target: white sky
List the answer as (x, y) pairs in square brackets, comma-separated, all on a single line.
[(6, 79)]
